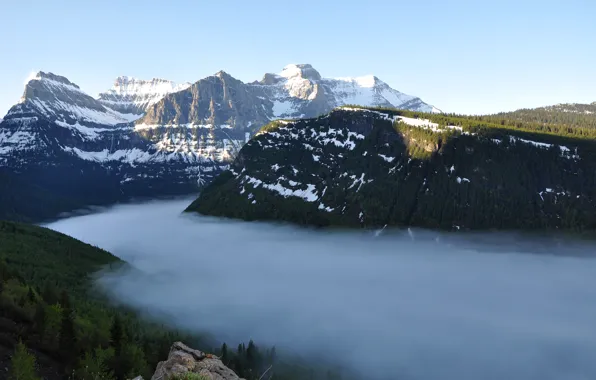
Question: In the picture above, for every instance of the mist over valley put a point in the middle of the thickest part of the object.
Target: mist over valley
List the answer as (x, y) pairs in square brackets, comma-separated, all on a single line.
[(400, 304)]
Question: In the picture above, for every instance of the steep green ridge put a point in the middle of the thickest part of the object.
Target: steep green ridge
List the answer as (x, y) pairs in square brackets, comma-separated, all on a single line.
[(47, 301), (373, 167)]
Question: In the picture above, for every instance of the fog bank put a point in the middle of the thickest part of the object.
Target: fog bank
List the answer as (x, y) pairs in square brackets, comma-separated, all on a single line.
[(412, 305)]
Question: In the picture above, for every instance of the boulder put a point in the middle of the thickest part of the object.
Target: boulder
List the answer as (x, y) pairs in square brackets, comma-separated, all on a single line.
[(183, 359)]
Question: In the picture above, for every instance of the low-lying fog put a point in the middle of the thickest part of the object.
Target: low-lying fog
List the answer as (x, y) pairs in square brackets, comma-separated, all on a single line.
[(403, 305)]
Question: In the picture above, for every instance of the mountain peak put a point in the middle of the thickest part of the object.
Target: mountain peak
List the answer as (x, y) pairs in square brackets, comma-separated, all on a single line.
[(46, 86), (302, 70), (222, 74), (41, 75), (366, 81)]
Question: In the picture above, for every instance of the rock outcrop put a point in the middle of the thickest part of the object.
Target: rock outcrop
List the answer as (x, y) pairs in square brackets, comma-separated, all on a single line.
[(183, 359)]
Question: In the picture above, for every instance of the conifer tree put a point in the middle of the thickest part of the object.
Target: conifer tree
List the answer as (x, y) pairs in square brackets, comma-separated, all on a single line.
[(39, 318), (49, 293), (224, 354), (31, 295), (117, 335), (22, 364), (67, 340), (4, 275)]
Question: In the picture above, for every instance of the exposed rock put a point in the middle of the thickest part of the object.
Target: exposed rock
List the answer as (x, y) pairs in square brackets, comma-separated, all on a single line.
[(183, 359), (134, 96)]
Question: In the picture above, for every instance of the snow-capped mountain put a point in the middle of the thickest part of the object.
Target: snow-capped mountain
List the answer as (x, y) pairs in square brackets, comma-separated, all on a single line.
[(152, 138), (62, 143), (132, 95), (300, 91), (56, 98)]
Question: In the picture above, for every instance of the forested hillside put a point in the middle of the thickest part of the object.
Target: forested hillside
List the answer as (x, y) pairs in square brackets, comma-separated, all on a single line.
[(571, 115), (70, 331), (374, 167)]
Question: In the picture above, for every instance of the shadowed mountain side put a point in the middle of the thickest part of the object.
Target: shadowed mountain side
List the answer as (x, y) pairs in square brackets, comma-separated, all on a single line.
[(370, 168)]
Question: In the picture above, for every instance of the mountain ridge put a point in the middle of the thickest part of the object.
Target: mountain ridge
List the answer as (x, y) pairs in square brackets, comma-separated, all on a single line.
[(133, 95), (361, 167), (146, 138)]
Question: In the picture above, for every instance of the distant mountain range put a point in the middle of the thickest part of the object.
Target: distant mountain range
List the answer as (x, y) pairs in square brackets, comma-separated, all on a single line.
[(152, 138)]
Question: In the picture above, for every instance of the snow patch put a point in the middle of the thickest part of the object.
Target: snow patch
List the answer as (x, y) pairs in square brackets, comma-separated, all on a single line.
[(386, 158)]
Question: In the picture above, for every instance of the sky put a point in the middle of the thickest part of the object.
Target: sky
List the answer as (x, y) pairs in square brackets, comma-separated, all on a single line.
[(470, 57)]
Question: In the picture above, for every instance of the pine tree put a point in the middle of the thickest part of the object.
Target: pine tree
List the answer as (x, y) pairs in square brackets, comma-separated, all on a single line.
[(118, 341), (93, 367), (39, 318), (49, 293), (4, 273), (22, 364), (272, 357), (67, 341), (65, 300), (117, 335), (31, 295), (252, 356), (224, 354)]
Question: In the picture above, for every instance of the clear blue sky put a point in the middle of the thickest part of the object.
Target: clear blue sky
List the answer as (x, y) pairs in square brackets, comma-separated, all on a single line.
[(461, 56)]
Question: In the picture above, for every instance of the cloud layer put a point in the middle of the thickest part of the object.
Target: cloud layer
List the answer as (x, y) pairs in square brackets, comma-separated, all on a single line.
[(415, 305)]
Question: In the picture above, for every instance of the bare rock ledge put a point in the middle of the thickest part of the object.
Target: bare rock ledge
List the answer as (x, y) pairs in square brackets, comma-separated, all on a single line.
[(183, 359)]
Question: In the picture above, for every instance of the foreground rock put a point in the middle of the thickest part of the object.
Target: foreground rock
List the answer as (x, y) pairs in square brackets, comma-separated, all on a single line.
[(183, 359)]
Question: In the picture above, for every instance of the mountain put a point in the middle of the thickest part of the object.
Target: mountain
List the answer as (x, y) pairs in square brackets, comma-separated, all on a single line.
[(61, 149), (57, 99), (360, 167), (134, 96), (568, 114), (298, 91)]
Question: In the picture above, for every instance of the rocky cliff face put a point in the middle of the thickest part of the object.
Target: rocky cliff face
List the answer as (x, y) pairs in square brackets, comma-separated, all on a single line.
[(299, 91), (218, 100), (183, 360), (370, 168)]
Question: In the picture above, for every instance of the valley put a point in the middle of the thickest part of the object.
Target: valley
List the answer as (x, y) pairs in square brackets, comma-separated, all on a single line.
[(379, 305), (182, 199)]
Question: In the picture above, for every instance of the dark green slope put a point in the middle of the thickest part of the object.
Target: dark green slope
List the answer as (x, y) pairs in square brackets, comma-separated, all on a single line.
[(47, 301), (39, 254), (358, 168)]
